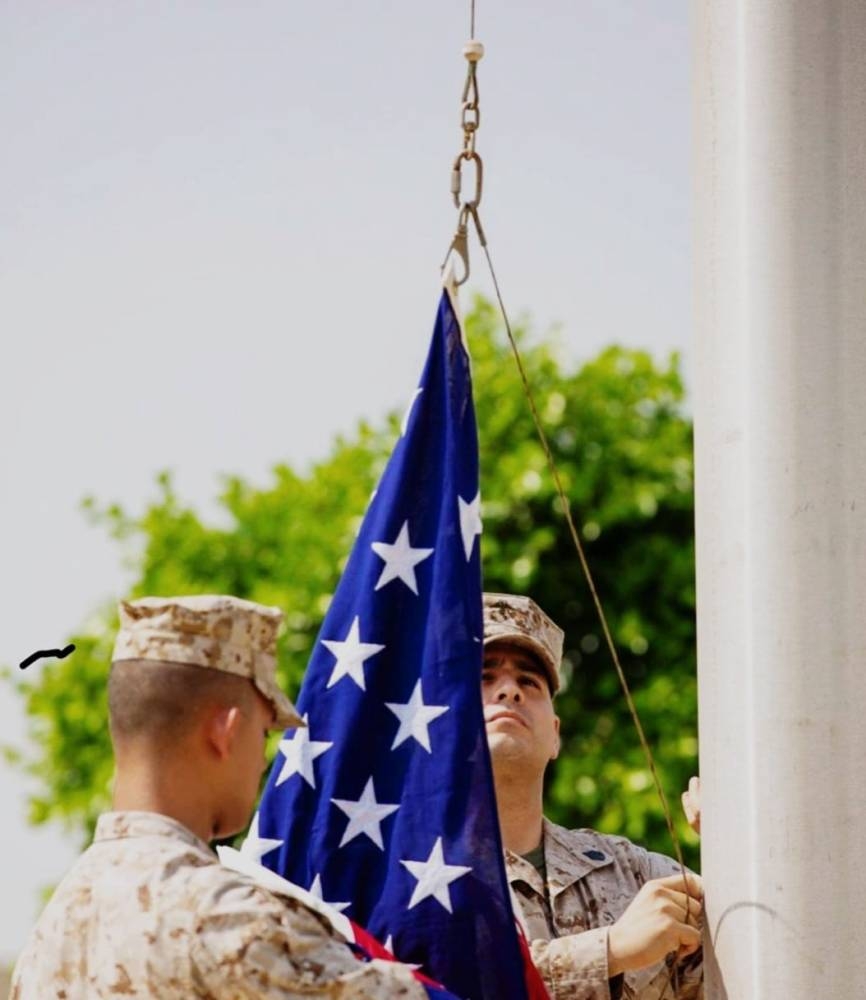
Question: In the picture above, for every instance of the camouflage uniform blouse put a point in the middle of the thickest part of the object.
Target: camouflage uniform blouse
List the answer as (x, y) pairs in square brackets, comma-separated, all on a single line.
[(148, 911), (591, 879)]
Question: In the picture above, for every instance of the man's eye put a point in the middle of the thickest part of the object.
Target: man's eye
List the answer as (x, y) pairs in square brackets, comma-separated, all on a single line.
[(529, 680)]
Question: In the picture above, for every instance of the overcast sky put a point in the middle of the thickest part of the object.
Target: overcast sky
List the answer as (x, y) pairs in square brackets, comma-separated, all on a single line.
[(220, 232)]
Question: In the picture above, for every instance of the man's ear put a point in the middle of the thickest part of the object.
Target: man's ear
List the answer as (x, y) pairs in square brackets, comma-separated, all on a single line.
[(221, 729), (557, 744)]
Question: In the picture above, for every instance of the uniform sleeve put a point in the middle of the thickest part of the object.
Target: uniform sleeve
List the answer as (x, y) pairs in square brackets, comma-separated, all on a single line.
[(656, 865), (574, 967), (251, 945)]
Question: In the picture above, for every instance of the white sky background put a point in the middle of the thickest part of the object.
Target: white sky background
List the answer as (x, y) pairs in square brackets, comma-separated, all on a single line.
[(220, 231)]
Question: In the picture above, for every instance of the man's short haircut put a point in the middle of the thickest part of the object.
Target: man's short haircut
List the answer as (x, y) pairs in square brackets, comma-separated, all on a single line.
[(162, 701)]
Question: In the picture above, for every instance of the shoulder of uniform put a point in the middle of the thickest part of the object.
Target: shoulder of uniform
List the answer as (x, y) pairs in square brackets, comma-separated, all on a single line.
[(644, 864), (219, 897), (593, 845), (212, 884)]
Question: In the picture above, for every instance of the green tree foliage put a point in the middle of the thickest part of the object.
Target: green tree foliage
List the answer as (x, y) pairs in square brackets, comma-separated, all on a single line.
[(623, 447)]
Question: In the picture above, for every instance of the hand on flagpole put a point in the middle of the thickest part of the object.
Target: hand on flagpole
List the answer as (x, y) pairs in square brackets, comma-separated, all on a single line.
[(691, 799)]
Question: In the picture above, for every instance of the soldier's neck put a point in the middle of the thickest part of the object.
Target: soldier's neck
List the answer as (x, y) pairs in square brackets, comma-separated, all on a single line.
[(519, 804), (147, 788)]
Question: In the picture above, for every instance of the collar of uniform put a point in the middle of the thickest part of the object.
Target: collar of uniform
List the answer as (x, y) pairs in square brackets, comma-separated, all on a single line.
[(568, 856), (571, 854), (521, 870), (120, 825)]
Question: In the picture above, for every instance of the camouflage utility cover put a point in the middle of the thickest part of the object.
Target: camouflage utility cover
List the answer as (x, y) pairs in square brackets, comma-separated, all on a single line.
[(519, 620), (147, 911), (591, 879), (216, 631)]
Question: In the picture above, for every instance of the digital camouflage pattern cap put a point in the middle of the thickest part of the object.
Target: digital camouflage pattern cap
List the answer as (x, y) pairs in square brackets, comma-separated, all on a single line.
[(214, 631), (519, 620)]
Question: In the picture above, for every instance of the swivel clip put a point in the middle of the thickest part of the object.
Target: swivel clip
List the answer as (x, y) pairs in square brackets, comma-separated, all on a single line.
[(469, 122)]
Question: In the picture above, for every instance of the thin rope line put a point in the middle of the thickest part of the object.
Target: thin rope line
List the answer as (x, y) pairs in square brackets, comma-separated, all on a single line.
[(673, 972), (566, 508)]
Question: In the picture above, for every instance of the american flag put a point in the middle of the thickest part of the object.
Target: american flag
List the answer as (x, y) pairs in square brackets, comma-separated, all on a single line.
[(384, 805)]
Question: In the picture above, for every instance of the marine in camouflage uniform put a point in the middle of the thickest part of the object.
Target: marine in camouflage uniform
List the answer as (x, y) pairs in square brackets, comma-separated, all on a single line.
[(148, 911), (572, 886)]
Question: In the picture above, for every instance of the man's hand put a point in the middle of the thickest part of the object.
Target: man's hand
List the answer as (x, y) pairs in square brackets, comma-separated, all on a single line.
[(692, 804), (664, 916)]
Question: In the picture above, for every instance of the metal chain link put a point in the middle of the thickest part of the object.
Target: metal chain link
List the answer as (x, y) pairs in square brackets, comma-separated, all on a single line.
[(470, 122)]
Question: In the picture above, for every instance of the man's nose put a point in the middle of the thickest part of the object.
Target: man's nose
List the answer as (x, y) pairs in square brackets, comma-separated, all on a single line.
[(509, 691)]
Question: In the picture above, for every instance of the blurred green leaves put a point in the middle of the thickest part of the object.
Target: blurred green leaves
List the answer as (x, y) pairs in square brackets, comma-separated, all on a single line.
[(624, 450)]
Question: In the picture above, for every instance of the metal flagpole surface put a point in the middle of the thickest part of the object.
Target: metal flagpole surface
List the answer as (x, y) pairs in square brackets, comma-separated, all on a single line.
[(780, 423)]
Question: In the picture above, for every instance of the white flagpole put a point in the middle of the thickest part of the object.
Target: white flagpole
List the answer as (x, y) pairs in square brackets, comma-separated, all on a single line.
[(780, 421)]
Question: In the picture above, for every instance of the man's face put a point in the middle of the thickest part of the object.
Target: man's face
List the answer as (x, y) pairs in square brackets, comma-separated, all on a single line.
[(521, 724), (247, 762)]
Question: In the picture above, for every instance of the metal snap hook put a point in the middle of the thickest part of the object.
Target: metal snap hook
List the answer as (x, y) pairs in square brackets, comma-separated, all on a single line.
[(460, 247)]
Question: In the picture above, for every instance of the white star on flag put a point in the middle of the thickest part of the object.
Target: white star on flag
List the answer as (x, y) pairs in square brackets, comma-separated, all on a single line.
[(365, 816), (405, 423), (400, 560), (316, 890), (434, 877), (254, 845), (300, 752), (351, 654), (470, 522), (414, 718)]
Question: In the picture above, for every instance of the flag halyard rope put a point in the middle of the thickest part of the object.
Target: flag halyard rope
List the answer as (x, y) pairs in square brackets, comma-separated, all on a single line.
[(468, 213), (565, 507)]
